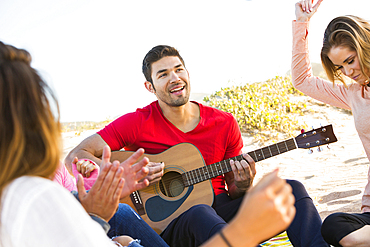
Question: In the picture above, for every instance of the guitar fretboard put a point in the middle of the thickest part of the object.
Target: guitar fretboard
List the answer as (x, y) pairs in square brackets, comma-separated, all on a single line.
[(207, 172)]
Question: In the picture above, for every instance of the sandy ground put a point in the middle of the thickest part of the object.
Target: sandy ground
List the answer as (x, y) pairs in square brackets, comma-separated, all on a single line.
[(335, 178)]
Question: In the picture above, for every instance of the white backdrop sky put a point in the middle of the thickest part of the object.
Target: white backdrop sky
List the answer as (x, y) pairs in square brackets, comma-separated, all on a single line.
[(90, 51)]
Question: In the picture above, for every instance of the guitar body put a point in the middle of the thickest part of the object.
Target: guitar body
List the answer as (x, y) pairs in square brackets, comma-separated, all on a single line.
[(165, 200)]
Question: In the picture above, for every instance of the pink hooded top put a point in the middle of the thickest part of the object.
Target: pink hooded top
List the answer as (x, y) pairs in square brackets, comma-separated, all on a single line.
[(65, 179), (354, 97)]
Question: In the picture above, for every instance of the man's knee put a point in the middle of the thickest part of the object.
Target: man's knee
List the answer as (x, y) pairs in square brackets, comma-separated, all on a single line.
[(299, 191), (124, 211), (201, 210)]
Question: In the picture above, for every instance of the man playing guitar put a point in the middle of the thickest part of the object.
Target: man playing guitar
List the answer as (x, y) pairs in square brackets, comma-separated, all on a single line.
[(172, 120)]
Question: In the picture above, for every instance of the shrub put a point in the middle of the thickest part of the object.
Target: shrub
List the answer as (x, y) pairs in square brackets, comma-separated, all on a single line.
[(264, 109)]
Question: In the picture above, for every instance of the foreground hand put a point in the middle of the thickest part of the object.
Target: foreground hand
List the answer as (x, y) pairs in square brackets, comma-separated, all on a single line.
[(103, 197), (134, 173), (305, 9), (268, 207), (244, 172), (85, 167)]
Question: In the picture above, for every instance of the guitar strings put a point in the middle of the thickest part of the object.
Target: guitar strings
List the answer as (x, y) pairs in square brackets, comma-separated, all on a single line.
[(196, 178)]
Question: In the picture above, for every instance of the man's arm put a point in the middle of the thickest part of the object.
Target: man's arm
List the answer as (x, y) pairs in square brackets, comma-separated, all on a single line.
[(90, 148)]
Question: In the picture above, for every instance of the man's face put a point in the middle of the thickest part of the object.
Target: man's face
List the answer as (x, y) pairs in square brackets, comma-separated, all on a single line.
[(171, 81)]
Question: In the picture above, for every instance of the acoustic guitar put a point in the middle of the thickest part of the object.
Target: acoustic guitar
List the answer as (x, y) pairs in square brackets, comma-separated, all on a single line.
[(186, 180)]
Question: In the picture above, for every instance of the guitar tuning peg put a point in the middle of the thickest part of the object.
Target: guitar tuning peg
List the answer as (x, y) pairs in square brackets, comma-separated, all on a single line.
[(319, 149), (328, 146), (310, 151)]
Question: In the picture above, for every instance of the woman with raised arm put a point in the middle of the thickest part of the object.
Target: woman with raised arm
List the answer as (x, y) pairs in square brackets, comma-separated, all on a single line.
[(345, 56)]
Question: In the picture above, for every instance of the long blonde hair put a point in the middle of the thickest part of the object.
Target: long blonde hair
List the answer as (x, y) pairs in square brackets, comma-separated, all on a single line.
[(29, 132), (347, 31)]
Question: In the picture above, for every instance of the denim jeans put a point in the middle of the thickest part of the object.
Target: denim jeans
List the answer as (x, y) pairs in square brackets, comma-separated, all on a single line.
[(126, 222)]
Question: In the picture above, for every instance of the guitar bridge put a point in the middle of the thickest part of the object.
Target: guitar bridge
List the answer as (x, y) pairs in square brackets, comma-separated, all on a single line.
[(138, 203)]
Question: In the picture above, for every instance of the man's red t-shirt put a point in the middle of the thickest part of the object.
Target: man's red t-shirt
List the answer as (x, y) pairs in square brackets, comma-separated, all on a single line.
[(217, 135)]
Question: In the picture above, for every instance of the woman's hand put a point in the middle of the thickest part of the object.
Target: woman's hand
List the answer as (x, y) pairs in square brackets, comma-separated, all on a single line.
[(305, 9), (103, 197)]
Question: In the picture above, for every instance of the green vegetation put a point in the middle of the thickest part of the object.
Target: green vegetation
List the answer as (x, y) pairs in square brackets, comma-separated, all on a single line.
[(264, 109), (79, 127)]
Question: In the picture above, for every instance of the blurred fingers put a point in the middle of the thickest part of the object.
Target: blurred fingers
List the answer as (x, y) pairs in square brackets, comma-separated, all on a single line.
[(142, 163), (106, 155), (101, 177), (117, 193), (141, 185), (113, 180), (80, 186), (133, 158)]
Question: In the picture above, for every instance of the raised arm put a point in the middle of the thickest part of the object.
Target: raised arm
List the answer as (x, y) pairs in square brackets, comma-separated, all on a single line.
[(302, 76), (304, 10)]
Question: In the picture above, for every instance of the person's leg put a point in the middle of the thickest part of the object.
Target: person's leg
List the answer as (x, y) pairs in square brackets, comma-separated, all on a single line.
[(226, 207), (343, 229), (358, 238), (127, 222), (193, 227), (305, 228)]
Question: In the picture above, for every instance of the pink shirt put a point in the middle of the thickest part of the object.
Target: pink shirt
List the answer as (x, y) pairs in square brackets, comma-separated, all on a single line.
[(354, 97), (63, 178)]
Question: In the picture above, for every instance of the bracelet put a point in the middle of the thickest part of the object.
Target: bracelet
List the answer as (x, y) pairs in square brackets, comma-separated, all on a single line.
[(225, 239)]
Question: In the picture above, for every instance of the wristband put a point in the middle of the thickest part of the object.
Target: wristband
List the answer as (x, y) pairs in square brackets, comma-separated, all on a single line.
[(225, 239)]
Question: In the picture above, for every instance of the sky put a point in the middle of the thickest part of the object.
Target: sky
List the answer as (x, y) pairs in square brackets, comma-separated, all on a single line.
[(90, 51)]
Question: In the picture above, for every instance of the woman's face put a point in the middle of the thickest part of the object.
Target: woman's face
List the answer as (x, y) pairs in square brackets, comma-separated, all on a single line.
[(347, 62)]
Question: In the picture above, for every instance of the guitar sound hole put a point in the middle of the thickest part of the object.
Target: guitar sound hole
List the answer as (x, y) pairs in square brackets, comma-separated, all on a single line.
[(171, 184)]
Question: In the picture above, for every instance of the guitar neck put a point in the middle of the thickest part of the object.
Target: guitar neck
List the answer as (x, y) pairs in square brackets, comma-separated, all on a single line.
[(207, 172)]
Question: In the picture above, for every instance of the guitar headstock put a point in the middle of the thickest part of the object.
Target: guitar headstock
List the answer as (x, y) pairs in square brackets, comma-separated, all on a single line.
[(316, 137)]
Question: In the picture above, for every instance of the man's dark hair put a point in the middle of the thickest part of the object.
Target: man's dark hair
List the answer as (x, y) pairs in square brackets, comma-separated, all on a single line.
[(155, 54)]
